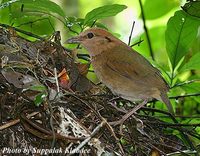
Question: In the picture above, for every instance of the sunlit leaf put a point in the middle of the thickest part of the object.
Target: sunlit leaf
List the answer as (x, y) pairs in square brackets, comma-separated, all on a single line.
[(44, 6), (157, 8), (104, 11), (193, 64), (192, 87), (181, 31)]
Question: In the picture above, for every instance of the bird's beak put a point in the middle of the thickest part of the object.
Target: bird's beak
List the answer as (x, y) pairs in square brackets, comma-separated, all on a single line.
[(76, 39)]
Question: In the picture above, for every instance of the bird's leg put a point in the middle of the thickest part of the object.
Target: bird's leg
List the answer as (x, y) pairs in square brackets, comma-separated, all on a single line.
[(130, 113)]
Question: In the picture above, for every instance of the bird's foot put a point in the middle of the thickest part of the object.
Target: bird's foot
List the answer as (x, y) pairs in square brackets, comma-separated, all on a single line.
[(129, 114)]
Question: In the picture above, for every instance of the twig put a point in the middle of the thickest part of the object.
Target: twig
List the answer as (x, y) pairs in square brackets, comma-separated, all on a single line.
[(15, 121), (178, 97), (88, 139), (117, 108), (31, 22), (137, 43), (130, 36), (185, 83), (185, 152), (56, 79), (42, 133), (182, 96), (114, 135), (52, 125), (173, 124), (22, 31), (9, 124), (146, 31)]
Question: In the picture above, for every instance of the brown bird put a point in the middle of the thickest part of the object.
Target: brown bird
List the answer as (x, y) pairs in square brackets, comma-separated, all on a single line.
[(123, 70)]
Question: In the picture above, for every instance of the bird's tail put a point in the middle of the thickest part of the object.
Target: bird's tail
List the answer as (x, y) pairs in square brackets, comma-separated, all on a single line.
[(166, 100)]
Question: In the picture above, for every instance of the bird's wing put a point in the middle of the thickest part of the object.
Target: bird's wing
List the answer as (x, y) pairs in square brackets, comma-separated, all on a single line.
[(130, 64)]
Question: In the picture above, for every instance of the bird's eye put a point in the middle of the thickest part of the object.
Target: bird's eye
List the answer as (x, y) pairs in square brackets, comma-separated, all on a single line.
[(90, 35)]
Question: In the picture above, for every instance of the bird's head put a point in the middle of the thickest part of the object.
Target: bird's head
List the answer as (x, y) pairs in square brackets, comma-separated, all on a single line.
[(95, 40)]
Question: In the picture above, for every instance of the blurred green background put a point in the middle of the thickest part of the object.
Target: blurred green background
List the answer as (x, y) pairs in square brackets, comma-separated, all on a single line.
[(44, 18)]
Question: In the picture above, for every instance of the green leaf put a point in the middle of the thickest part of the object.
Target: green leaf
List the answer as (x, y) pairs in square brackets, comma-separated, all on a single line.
[(193, 63), (101, 25), (157, 8), (123, 141), (39, 88), (39, 98), (192, 87), (74, 24), (102, 12), (43, 6), (181, 31), (192, 8)]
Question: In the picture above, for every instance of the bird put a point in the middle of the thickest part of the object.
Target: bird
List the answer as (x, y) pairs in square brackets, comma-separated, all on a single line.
[(123, 70)]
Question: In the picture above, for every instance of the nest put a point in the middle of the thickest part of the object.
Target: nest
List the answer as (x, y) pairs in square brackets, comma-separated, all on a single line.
[(48, 106)]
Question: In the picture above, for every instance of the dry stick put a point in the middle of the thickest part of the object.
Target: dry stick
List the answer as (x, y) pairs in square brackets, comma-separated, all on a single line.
[(174, 124), (14, 122), (56, 79), (146, 31), (113, 133), (45, 134), (51, 109), (184, 151), (78, 148), (9, 124), (172, 147), (185, 136), (182, 133), (51, 124), (128, 114), (130, 36), (103, 120)]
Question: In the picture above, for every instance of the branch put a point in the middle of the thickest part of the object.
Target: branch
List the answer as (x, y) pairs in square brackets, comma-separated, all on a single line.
[(137, 43), (130, 36), (146, 31), (22, 31), (186, 95), (185, 83)]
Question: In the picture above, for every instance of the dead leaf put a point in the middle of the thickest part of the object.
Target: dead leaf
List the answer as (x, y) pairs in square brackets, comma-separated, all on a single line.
[(19, 80), (155, 152), (63, 79)]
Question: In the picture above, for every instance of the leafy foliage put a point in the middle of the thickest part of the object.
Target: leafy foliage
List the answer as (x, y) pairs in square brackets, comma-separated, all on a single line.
[(193, 63), (42, 6), (192, 8), (181, 32), (102, 12)]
